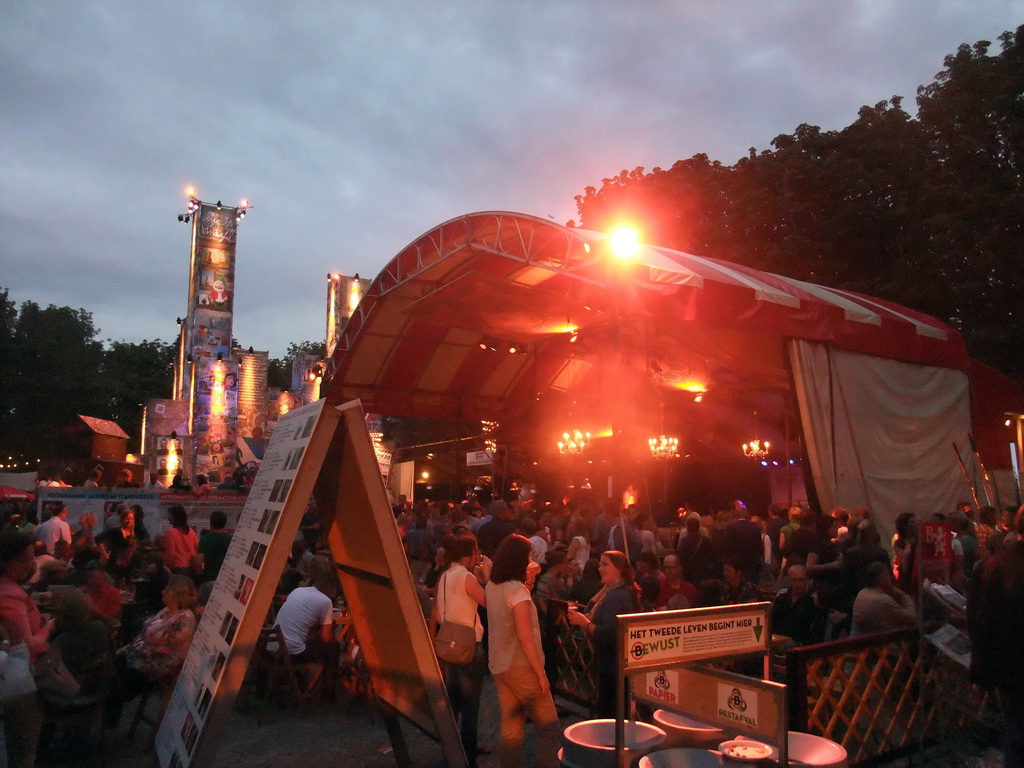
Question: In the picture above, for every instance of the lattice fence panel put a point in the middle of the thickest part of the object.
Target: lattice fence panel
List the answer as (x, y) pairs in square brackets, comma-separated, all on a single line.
[(875, 694), (571, 658)]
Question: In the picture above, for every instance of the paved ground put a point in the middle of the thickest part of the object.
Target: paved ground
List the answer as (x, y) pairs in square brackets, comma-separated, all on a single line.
[(348, 733)]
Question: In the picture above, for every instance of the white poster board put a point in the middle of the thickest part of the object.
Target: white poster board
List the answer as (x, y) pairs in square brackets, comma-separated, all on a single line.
[(227, 634)]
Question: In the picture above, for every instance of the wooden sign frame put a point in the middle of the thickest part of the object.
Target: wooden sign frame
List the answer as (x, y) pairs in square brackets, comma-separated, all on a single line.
[(326, 451)]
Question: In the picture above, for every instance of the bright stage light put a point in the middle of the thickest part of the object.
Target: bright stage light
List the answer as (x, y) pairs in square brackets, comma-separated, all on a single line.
[(624, 241)]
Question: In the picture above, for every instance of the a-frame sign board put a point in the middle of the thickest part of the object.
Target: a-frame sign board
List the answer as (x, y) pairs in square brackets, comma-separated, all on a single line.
[(328, 449)]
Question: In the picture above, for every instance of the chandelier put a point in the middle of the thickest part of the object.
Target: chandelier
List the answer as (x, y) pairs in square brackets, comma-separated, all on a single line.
[(573, 442), (664, 447), (756, 449)]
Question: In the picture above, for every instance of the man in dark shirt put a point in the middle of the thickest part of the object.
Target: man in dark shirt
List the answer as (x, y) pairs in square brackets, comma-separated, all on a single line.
[(743, 543), (213, 545), (793, 611), (497, 529)]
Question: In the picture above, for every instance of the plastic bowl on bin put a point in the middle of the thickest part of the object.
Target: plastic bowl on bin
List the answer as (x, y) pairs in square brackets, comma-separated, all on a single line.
[(806, 749), (681, 757), (591, 743), (684, 732)]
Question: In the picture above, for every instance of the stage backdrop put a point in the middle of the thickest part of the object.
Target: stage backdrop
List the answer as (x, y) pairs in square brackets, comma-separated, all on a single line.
[(880, 433)]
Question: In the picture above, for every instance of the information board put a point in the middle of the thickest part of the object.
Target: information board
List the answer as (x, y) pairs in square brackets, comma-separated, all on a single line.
[(669, 637), (327, 448), (226, 636), (379, 588)]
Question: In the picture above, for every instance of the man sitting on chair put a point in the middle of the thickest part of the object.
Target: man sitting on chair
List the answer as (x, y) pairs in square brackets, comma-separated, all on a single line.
[(306, 620)]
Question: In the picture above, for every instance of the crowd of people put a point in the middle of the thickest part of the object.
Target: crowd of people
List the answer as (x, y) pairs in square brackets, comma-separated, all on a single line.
[(493, 571), (826, 575), (113, 605)]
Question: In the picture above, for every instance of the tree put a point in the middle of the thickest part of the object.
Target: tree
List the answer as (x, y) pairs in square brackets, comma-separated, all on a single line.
[(279, 369), (926, 212), (131, 374), (52, 374), (973, 119)]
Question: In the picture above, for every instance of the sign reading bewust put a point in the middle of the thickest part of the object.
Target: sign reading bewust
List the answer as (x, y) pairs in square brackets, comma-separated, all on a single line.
[(689, 635)]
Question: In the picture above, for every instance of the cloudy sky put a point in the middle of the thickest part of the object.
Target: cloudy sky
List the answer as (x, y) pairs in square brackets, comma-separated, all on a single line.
[(356, 126)]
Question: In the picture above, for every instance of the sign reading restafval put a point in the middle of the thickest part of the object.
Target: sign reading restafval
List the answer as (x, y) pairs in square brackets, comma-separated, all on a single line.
[(690, 635)]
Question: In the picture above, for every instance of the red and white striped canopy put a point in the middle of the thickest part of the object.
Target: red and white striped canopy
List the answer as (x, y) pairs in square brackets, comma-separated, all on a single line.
[(433, 333)]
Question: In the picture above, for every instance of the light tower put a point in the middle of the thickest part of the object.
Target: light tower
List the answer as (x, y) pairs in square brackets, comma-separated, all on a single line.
[(206, 372)]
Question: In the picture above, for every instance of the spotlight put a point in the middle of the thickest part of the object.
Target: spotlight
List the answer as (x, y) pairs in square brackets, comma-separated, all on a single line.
[(483, 345), (513, 349)]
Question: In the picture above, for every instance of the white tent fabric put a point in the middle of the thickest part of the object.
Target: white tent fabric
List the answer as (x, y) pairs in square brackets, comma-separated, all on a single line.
[(880, 433), (24, 481)]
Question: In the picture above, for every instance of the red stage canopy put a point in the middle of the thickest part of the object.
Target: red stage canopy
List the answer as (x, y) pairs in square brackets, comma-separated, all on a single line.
[(432, 333)]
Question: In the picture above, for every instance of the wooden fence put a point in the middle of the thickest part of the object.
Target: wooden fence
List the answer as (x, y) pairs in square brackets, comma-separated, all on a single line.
[(877, 695), (880, 695)]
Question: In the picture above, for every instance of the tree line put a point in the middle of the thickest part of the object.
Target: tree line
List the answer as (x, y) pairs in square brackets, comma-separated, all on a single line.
[(54, 367), (925, 211)]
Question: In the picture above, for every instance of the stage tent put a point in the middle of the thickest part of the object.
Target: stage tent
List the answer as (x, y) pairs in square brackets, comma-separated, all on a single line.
[(515, 319)]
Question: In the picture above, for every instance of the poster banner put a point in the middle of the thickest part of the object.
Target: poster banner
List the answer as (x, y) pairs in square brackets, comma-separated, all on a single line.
[(155, 505), (226, 635)]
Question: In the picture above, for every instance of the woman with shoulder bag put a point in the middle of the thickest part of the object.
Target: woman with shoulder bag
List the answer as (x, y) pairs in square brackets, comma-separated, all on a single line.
[(459, 593)]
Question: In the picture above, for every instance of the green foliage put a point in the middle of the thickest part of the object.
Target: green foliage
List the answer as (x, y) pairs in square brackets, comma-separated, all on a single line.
[(279, 369), (54, 369), (926, 212), (132, 374)]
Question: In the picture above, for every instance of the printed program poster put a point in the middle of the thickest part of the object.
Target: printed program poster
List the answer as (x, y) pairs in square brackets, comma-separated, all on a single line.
[(226, 635)]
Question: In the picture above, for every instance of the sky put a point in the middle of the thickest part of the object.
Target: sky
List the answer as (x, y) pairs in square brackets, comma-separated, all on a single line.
[(354, 127)]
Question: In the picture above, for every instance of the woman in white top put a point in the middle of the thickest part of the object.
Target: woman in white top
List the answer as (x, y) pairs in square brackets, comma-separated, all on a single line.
[(515, 655), (579, 545), (459, 594)]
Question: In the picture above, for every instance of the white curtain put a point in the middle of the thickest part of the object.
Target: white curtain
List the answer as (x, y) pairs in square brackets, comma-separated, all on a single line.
[(880, 433)]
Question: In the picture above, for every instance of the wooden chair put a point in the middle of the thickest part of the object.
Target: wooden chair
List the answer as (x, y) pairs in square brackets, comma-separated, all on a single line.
[(164, 688), (272, 660)]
